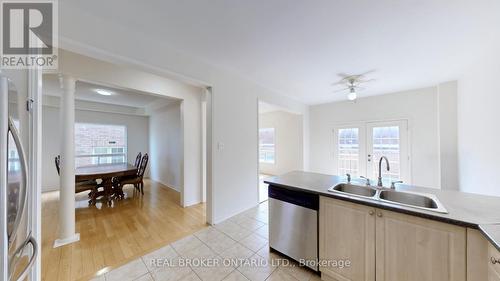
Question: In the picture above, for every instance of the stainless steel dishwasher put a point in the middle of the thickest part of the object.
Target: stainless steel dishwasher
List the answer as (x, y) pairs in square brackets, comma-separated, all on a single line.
[(293, 224)]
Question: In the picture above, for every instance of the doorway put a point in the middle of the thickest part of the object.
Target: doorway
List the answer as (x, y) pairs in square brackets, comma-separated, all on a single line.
[(358, 148), (280, 139)]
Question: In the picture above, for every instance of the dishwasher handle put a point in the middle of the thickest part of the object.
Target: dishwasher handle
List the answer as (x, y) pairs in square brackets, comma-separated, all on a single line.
[(299, 198)]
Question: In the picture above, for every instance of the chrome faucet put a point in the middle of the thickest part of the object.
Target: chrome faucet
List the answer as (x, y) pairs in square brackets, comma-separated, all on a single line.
[(367, 180), (379, 183)]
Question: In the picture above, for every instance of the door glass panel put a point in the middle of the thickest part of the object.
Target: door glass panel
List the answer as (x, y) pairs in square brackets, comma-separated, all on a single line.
[(348, 151), (386, 142)]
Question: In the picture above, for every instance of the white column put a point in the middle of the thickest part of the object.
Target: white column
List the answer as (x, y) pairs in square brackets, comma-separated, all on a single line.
[(67, 233)]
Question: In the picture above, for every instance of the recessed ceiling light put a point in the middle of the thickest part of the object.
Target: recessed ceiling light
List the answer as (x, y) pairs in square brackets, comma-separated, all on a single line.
[(103, 92)]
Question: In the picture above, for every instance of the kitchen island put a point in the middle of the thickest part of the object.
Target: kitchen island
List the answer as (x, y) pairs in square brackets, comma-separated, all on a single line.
[(396, 242)]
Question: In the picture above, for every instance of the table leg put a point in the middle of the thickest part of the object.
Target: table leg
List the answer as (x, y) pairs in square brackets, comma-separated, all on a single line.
[(108, 189)]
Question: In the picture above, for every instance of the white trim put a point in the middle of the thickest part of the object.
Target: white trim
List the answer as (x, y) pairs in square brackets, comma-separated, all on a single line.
[(35, 93)]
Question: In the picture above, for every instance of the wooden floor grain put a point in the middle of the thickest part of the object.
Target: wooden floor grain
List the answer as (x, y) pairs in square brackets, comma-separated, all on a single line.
[(112, 235)]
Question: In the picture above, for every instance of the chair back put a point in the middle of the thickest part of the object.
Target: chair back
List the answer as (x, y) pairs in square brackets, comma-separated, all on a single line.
[(144, 164), (58, 164), (138, 160)]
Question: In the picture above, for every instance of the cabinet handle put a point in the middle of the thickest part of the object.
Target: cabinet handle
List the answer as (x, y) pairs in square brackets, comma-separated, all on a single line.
[(371, 212), (379, 214), (494, 260)]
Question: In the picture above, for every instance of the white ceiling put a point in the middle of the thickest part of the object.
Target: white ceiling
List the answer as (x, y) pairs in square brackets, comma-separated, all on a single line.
[(298, 47), (86, 92)]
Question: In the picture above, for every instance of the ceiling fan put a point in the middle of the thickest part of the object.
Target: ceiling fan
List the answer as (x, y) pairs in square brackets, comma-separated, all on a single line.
[(352, 83)]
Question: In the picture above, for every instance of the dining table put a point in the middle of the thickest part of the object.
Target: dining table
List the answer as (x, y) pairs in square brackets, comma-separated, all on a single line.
[(106, 173)]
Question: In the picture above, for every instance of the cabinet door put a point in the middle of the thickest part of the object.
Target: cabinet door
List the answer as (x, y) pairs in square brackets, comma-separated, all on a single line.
[(347, 232), (477, 255), (409, 248), (493, 265)]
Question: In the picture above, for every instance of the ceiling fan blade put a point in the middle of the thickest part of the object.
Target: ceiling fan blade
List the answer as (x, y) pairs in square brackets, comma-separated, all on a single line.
[(340, 90), (361, 81), (343, 75), (366, 72), (341, 82)]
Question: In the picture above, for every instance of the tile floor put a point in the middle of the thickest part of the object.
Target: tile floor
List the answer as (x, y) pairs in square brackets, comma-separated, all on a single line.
[(237, 249)]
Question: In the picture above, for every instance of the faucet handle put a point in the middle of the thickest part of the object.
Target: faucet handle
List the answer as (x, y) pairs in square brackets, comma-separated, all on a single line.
[(393, 184), (348, 177), (367, 180)]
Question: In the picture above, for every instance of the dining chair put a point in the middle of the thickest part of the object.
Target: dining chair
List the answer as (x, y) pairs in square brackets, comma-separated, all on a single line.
[(58, 164), (136, 180), (80, 186), (138, 160)]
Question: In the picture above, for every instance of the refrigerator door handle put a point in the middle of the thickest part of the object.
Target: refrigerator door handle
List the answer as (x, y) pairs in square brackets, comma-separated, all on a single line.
[(24, 171), (32, 260)]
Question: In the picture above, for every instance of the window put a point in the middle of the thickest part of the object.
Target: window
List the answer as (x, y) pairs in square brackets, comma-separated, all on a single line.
[(385, 142), (100, 144), (267, 150), (348, 151)]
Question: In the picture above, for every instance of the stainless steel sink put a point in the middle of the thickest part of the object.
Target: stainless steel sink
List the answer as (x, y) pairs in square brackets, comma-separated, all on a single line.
[(422, 201), (355, 189), (408, 199), (411, 199)]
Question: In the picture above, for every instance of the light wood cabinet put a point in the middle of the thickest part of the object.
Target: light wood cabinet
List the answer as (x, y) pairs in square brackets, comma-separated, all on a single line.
[(414, 249), (480, 252), (347, 231), (493, 263), (477, 256), (388, 246)]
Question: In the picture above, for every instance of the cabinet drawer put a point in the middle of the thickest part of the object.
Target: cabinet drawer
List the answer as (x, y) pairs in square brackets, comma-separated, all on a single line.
[(494, 259)]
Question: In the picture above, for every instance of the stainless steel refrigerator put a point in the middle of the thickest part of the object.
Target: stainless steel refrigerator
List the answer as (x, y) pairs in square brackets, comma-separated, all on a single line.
[(18, 248)]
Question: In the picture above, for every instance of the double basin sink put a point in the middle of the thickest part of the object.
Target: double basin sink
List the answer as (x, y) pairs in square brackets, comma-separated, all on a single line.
[(423, 201)]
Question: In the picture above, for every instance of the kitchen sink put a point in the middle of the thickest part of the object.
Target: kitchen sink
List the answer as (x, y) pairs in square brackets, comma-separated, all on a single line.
[(422, 201), (411, 199), (355, 189), (408, 199)]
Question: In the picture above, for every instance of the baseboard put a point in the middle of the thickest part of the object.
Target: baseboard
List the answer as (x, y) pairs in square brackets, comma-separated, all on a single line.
[(50, 189), (170, 186)]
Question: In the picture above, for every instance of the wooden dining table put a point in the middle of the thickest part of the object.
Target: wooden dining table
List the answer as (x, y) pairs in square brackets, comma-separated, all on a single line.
[(106, 173)]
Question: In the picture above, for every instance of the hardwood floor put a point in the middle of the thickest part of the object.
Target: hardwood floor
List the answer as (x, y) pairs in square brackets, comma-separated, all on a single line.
[(112, 236)]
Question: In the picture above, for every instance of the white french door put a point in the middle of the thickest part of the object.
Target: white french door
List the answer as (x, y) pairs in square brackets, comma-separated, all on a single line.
[(358, 148)]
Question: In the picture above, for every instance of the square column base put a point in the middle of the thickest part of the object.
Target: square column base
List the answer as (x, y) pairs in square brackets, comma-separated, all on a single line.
[(66, 241)]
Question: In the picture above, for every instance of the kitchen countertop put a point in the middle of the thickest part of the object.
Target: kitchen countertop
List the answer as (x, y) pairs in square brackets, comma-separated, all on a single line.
[(492, 233), (464, 209)]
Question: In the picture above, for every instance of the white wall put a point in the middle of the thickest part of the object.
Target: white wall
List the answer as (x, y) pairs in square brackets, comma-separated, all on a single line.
[(137, 137), (448, 137), (478, 123), (288, 142), (165, 144), (419, 107)]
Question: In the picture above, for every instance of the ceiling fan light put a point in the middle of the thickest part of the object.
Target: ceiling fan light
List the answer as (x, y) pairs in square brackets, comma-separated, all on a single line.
[(352, 95)]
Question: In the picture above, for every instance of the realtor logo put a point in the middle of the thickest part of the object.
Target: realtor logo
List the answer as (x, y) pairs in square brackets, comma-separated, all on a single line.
[(29, 30)]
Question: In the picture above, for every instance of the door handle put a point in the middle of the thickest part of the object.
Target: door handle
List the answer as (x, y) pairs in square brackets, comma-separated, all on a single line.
[(24, 273), (24, 182)]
